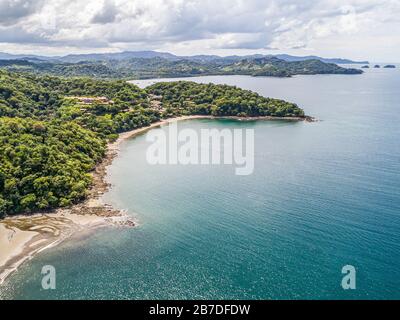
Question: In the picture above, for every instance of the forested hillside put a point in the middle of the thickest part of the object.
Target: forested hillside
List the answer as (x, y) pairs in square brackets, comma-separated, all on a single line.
[(219, 100), (50, 140), (275, 67), (44, 164)]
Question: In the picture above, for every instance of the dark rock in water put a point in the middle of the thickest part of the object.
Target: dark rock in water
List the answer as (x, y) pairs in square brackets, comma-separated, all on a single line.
[(390, 66), (377, 66), (365, 67)]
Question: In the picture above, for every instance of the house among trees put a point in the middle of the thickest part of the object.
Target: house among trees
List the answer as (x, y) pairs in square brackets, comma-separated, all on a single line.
[(156, 102), (91, 100)]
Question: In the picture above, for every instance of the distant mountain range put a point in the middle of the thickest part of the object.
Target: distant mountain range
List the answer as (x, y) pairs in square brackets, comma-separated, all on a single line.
[(75, 58), (152, 64), (8, 56)]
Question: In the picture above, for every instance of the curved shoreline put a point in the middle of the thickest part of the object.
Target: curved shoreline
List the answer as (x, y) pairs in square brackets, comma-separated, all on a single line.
[(23, 237)]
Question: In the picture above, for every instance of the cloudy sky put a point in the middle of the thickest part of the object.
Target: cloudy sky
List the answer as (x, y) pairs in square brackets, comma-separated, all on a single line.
[(357, 29)]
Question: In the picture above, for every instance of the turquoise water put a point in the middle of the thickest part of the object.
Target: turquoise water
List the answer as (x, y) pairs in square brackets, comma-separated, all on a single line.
[(323, 195)]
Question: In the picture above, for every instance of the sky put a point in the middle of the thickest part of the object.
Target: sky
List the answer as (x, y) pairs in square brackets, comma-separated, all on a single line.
[(355, 29)]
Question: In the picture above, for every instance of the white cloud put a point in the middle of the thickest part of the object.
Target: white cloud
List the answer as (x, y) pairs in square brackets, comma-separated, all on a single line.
[(107, 14), (215, 26), (14, 10)]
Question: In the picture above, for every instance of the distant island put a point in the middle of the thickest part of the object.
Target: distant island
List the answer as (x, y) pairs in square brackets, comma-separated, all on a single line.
[(390, 66), (150, 64), (377, 66)]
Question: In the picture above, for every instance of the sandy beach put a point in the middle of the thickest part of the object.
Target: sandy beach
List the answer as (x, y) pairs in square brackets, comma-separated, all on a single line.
[(24, 236)]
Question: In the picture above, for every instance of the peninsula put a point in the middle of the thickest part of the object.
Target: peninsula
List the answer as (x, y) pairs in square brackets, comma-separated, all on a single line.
[(58, 136)]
